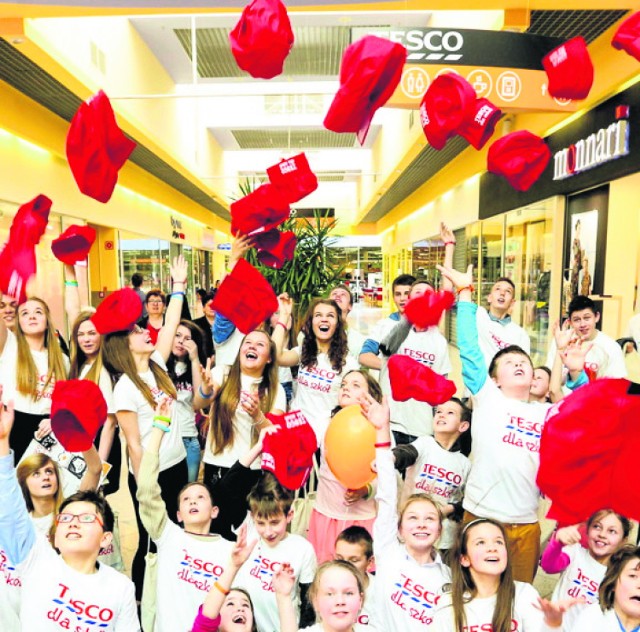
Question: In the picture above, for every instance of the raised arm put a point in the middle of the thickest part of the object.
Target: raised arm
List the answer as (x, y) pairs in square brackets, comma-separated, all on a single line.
[(71, 294), (91, 478), (283, 582), (474, 371), (153, 511), (449, 240), (286, 357), (178, 271), (17, 533)]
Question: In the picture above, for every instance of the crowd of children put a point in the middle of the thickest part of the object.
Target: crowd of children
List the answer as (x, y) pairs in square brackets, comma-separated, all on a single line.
[(445, 538)]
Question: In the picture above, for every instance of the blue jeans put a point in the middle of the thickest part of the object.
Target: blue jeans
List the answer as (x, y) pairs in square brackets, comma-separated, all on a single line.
[(192, 446)]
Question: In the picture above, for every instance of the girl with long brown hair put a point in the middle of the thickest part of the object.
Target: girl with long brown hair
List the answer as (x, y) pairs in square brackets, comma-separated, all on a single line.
[(483, 593), (143, 382), (32, 362), (241, 398), (322, 359)]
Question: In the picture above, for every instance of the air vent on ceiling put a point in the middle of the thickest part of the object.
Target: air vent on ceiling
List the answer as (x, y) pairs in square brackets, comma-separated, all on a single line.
[(294, 139)]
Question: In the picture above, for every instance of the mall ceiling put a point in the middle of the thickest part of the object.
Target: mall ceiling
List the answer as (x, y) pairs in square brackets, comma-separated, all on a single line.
[(316, 56)]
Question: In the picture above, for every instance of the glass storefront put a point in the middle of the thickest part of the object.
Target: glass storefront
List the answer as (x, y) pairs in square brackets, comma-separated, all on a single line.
[(362, 266), (151, 258), (518, 245)]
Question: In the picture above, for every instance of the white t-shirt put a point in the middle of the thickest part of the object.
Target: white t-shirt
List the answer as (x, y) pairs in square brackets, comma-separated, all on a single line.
[(355, 340), (330, 497), (479, 612), (227, 351), (242, 423), (317, 627), (8, 374), (10, 584), (605, 358), (186, 416), (188, 566), (580, 580), (405, 592), (317, 392), (442, 475), (592, 619), (57, 597), (365, 616), (494, 336), (431, 349), (506, 455), (256, 576), (105, 385), (127, 397)]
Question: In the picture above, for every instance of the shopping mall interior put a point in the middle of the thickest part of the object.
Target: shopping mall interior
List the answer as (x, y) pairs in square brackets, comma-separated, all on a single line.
[(204, 129)]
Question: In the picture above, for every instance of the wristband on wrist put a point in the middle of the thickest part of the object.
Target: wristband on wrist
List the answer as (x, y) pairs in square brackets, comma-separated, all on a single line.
[(449, 243), (465, 287), (203, 394), (71, 283), (166, 420), (281, 325), (177, 294), (224, 591), (160, 426), (386, 444)]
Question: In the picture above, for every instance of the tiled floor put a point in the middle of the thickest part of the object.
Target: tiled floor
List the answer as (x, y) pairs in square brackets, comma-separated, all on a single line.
[(362, 318)]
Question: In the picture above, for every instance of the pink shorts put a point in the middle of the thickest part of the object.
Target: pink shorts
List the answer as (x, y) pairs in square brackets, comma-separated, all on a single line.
[(324, 531)]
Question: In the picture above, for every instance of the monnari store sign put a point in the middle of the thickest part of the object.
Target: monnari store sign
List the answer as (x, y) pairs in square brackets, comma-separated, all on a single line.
[(608, 143), (601, 146)]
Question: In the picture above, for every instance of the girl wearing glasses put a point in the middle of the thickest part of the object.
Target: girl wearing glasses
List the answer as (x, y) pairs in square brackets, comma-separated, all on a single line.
[(143, 382)]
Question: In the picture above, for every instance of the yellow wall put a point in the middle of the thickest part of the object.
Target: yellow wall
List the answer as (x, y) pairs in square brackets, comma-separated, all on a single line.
[(623, 249)]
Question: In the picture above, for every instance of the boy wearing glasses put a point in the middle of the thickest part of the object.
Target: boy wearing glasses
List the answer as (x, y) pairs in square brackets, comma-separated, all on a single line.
[(65, 588)]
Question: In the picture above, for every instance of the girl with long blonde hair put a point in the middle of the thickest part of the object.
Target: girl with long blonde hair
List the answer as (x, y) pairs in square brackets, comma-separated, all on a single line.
[(32, 362), (241, 398)]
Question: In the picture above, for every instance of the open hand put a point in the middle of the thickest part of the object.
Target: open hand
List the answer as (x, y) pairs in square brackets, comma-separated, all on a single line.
[(377, 413), (178, 270), (283, 580), (459, 279)]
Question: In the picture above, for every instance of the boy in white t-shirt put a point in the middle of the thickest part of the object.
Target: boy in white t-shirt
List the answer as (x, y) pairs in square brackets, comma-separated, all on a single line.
[(355, 545), (70, 590), (496, 330), (506, 433), (190, 559), (270, 507), (412, 419), (605, 357), (438, 466)]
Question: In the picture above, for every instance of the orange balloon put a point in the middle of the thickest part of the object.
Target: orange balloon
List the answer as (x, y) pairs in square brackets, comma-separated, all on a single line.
[(349, 447)]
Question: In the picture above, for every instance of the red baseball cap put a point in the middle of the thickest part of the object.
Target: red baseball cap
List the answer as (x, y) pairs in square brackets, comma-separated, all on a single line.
[(589, 448), (410, 379), (627, 37), (426, 310), (245, 297), (370, 71), (97, 148), (293, 177), (260, 211), (118, 312), (448, 103), (78, 411), (18, 258), (288, 453), (73, 244), (520, 157), (275, 247), (569, 70), (478, 129), (262, 38)]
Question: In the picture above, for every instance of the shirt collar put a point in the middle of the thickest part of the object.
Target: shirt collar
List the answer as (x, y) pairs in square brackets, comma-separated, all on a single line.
[(503, 321)]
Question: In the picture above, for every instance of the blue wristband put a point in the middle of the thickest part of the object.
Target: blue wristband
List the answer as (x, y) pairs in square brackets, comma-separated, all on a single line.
[(177, 293), (203, 394), (161, 426)]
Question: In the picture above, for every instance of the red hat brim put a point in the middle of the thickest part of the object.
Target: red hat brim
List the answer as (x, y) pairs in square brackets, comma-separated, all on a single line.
[(73, 244)]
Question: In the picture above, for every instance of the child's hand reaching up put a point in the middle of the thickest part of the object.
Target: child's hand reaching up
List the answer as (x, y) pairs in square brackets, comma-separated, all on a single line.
[(377, 413), (459, 279), (241, 549), (283, 580), (569, 535)]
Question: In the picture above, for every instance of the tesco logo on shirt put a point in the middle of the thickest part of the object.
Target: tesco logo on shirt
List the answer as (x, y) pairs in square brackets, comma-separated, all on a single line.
[(421, 356), (488, 627), (442, 473)]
